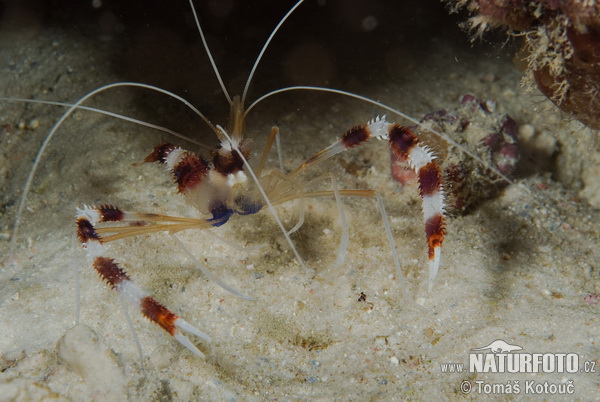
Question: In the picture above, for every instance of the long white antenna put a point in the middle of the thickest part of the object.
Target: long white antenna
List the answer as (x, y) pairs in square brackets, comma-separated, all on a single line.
[(403, 115), (264, 48), (212, 61), (383, 106), (52, 132), (111, 114)]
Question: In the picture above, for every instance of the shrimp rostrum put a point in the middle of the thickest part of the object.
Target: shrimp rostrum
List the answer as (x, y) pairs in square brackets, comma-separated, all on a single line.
[(224, 184)]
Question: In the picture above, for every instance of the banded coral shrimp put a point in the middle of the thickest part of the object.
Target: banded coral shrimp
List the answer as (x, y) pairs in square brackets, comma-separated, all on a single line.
[(308, 334)]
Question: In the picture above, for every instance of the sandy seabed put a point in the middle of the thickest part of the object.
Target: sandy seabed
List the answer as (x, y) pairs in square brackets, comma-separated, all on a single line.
[(522, 268)]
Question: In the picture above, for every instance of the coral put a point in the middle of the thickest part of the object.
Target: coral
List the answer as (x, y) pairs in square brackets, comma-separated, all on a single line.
[(561, 48), (490, 135)]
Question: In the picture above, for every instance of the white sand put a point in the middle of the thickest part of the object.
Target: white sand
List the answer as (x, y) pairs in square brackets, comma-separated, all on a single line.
[(517, 269)]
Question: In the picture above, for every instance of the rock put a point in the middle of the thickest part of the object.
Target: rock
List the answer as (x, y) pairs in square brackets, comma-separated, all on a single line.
[(82, 351)]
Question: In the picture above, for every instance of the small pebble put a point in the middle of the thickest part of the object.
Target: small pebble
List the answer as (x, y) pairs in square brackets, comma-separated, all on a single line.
[(33, 124), (490, 106), (82, 351), (526, 132)]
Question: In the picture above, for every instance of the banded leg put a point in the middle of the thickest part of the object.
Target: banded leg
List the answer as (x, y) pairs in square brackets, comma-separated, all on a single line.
[(408, 148), (118, 279)]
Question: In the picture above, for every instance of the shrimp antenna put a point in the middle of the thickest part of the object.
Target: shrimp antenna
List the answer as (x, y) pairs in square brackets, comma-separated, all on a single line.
[(212, 61), (264, 48), (111, 114), (58, 124), (405, 116), (383, 106)]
